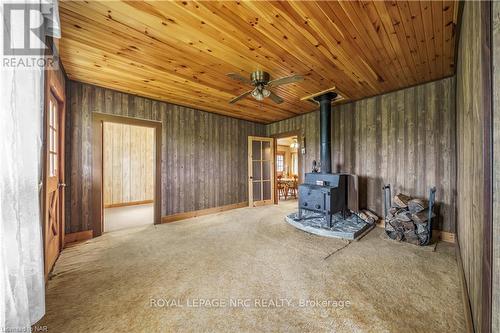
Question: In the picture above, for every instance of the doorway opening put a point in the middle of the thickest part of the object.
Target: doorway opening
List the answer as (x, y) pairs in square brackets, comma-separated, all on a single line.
[(126, 172), (287, 167), (128, 175)]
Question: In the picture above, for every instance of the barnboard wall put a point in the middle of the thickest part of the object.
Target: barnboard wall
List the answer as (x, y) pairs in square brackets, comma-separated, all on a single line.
[(405, 138), (204, 155), (128, 163), (496, 167), (471, 112)]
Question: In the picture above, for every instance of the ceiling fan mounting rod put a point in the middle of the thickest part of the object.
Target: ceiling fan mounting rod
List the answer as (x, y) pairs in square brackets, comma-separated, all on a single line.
[(260, 77)]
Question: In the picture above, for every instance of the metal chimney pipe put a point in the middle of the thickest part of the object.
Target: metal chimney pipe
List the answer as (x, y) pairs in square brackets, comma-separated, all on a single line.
[(325, 111)]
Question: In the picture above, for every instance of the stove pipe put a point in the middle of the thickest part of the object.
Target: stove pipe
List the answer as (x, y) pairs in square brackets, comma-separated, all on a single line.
[(325, 113)]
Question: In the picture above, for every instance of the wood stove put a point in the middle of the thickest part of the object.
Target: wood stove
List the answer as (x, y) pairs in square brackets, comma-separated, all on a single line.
[(324, 192)]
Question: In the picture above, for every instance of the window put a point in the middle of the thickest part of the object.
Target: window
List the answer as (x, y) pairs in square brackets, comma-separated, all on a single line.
[(295, 164), (280, 162)]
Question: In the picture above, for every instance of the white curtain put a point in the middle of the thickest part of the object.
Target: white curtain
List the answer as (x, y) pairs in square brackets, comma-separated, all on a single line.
[(22, 287)]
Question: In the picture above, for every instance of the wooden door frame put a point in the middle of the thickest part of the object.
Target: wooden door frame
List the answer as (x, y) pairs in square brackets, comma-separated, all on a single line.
[(299, 135), (53, 85), (249, 181), (97, 165)]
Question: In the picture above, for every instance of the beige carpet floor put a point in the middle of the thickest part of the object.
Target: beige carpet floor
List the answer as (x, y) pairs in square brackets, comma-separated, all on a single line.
[(118, 218), (246, 270)]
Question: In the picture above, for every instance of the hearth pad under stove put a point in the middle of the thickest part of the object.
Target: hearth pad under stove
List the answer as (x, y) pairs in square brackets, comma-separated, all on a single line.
[(349, 228)]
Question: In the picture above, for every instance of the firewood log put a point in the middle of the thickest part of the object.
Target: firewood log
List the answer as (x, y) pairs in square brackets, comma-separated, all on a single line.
[(388, 226), (404, 216), (408, 225), (422, 229), (371, 214), (412, 238), (401, 200), (421, 217), (417, 205), (396, 235), (365, 217)]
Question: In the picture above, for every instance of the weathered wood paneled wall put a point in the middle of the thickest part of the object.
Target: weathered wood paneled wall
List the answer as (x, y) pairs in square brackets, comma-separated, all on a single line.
[(496, 167), (405, 138), (128, 163), (470, 153), (204, 155)]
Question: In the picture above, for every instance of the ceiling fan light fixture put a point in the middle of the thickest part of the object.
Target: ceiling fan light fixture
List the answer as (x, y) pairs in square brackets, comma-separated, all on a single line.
[(265, 92), (261, 81), (257, 94)]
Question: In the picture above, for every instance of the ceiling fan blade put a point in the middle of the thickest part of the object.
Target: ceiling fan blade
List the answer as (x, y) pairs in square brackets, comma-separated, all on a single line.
[(237, 98), (238, 77), (275, 98), (285, 80)]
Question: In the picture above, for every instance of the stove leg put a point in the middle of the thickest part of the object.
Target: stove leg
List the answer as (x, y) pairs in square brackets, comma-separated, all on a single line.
[(328, 218), (300, 214)]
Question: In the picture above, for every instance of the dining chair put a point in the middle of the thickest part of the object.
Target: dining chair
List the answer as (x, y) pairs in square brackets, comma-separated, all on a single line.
[(294, 186), (281, 187)]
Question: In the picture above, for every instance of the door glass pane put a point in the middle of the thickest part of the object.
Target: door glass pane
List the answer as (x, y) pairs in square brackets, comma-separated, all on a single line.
[(257, 195), (54, 143), (51, 139), (266, 149), (266, 170), (55, 120), (52, 164), (256, 155), (51, 113), (266, 188), (256, 170)]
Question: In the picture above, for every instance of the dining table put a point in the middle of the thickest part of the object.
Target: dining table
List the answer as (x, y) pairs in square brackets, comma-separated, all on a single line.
[(287, 183)]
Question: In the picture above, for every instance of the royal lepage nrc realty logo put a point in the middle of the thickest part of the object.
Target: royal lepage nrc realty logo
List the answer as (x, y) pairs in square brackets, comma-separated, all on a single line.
[(24, 34)]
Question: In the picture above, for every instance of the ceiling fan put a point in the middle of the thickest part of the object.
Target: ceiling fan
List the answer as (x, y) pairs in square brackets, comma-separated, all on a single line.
[(261, 82)]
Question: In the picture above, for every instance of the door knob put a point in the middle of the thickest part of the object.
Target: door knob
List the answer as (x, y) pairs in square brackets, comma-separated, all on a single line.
[(61, 185)]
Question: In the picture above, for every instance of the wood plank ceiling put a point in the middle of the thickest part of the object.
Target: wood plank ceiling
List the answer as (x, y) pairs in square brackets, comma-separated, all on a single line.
[(180, 52)]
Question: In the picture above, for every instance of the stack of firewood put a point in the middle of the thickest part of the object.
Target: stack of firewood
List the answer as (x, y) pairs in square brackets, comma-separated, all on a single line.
[(407, 220), (367, 216)]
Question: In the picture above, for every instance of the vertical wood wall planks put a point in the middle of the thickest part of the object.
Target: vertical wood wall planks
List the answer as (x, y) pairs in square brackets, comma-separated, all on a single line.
[(402, 138), (188, 181)]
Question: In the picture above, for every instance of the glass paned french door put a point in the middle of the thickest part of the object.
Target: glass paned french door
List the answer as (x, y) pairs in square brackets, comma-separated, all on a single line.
[(260, 170)]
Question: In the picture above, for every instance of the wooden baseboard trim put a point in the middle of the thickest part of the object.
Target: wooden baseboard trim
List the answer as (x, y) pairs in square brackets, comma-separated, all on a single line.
[(77, 237), (469, 326), (130, 203), (201, 212), (445, 236)]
